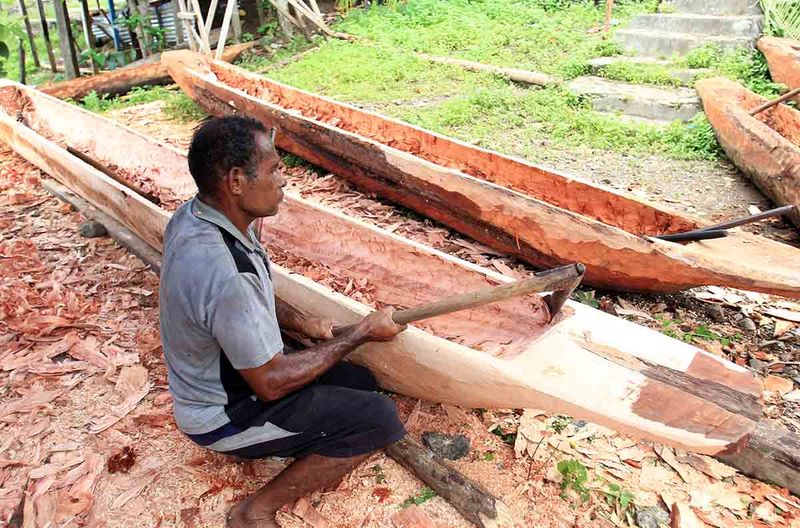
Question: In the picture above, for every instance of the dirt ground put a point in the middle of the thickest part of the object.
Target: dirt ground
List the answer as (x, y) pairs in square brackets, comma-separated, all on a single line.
[(87, 438)]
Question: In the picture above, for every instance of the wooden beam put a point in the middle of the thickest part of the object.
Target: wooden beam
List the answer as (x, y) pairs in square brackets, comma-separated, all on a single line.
[(236, 24), (179, 38), (29, 30), (46, 35), (223, 33), (86, 23), (65, 40)]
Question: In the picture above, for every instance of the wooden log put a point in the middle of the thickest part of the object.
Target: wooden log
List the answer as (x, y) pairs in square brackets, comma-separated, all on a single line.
[(122, 80), (86, 24), (513, 74), (236, 24), (46, 34), (772, 454), (465, 495), (29, 30), (124, 236), (65, 40)]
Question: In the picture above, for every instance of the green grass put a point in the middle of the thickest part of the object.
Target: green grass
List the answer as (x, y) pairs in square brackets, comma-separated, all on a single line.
[(524, 34), (383, 72), (178, 106)]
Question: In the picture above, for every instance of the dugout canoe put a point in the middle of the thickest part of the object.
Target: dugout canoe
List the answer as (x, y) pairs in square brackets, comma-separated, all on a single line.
[(585, 363), (783, 59), (536, 214), (766, 146), (148, 72)]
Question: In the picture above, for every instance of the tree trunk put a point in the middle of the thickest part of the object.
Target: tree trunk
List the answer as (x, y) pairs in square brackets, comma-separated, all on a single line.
[(46, 34), (65, 40), (35, 54), (21, 62)]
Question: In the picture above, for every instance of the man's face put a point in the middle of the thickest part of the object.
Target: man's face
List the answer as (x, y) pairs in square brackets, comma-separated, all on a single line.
[(262, 195)]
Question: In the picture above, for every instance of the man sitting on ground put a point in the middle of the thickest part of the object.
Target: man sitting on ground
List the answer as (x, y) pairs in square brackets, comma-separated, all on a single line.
[(235, 389)]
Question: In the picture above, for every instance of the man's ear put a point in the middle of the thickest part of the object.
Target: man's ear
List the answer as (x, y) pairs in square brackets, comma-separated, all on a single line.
[(235, 180)]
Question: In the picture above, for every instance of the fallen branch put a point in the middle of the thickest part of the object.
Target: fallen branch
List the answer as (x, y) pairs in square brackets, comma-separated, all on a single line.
[(513, 74), (468, 497)]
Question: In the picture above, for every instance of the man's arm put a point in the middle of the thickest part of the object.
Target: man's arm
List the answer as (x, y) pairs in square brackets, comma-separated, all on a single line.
[(286, 373), (292, 319)]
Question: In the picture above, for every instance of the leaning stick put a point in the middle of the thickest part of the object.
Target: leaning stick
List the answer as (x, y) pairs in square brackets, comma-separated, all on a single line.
[(557, 279), (719, 230), (770, 104)]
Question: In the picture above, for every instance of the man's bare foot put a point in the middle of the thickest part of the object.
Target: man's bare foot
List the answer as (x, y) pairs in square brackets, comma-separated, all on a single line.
[(238, 518)]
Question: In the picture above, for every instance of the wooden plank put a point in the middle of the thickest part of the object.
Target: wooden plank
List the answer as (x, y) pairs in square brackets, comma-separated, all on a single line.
[(46, 35), (517, 208), (65, 40), (29, 30)]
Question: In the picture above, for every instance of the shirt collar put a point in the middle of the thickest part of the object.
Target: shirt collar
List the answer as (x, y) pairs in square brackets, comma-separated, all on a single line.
[(205, 212)]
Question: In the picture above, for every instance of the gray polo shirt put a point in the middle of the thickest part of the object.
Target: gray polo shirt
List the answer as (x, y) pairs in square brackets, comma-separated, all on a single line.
[(217, 314)]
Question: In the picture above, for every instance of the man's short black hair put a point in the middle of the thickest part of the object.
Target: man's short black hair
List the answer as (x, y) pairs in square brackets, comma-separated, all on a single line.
[(220, 144)]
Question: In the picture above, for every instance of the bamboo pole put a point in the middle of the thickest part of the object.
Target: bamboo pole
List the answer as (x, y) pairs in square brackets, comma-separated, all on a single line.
[(24, 9), (46, 34), (187, 19), (205, 46)]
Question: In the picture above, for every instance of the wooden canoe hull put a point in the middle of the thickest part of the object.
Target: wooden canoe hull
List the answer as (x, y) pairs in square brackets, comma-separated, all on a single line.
[(521, 221), (587, 364), (783, 58), (122, 80), (765, 147)]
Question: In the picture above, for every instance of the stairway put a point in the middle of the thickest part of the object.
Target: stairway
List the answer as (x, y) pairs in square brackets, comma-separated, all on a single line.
[(654, 39), (726, 23)]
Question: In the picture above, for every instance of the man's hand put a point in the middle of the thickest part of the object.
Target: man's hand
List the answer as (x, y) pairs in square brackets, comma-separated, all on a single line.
[(318, 328), (378, 326)]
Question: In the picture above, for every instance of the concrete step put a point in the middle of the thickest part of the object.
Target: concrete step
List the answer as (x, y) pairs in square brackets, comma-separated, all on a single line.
[(732, 26), (661, 104), (718, 7), (665, 44), (686, 76)]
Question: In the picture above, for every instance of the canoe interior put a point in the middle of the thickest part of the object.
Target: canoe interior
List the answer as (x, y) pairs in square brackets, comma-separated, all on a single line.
[(601, 204), (364, 263), (781, 118)]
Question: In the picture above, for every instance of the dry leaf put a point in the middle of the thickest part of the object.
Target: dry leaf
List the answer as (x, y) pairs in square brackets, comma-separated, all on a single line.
[(778, 384), (783, 313), (412, 517), (683, 517), (309, 514)]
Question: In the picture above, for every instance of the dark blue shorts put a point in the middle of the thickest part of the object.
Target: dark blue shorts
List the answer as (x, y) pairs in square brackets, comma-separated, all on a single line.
[(340, 415)]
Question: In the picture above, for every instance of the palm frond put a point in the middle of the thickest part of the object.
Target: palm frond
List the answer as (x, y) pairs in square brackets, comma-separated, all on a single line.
[(781, 18)]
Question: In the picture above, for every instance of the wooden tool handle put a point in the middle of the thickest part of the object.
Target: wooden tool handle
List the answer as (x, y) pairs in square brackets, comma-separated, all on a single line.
[(555, 279), (770, 104)]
